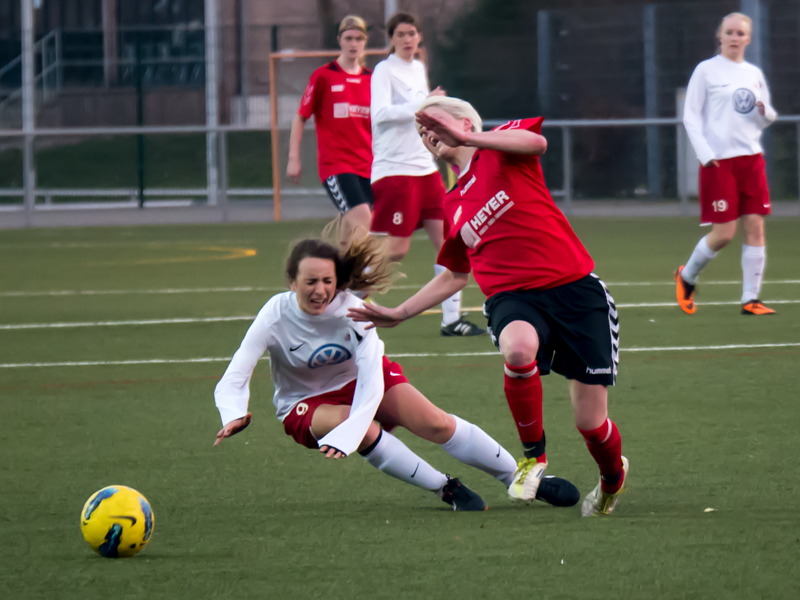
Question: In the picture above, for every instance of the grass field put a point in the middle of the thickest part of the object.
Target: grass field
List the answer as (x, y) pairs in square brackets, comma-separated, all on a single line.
[(705, 425)]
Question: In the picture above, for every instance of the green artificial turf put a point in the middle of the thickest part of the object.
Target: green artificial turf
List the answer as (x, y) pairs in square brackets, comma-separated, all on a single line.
[(261, 517)]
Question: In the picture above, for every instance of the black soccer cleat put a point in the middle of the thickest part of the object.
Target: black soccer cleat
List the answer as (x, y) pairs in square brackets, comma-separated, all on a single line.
[(558, 492), (460, 497), (461, 328)]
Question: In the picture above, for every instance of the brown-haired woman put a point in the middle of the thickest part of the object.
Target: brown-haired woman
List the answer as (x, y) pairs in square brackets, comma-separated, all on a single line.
[(336, 391)]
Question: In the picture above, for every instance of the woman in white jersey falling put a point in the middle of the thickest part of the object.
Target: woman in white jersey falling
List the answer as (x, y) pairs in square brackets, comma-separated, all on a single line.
[(406, 184), (727, 108), (334, 385)]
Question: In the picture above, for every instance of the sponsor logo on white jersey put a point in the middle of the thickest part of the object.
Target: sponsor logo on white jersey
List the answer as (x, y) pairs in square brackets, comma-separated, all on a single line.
[(328, 355), (743, 101), (337, 88)]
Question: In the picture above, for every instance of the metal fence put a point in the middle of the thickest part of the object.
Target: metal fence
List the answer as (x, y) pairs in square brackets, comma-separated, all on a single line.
[(180, 114)]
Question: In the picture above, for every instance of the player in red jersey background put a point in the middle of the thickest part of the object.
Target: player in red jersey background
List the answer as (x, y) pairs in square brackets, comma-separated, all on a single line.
[(338, 95), (546, 309)]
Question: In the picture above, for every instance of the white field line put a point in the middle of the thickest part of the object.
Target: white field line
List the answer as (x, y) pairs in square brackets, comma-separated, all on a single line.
[(171, 361), (213, 290), (436, 311)]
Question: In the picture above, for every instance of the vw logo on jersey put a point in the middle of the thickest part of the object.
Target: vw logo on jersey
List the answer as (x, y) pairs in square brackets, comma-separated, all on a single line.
[(327, 355), (743, 101)]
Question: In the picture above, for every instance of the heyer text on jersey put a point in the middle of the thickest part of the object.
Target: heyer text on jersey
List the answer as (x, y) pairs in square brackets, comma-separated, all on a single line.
[(490, 212)]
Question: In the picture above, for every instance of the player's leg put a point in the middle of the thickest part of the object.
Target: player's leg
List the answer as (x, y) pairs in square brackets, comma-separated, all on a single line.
[(406, 406), (719, 206), (351, 194), (590, 405), (754, 259), (754, 206), (518, 330), (313, 419), (380, 449), (586, 342)]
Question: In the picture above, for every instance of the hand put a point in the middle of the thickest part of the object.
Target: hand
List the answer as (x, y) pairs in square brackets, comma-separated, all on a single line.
[(437, 92), (331, 452), (438, 131), (377, 315), (233, 428), (293, 170), (761, 109), (711, 163)]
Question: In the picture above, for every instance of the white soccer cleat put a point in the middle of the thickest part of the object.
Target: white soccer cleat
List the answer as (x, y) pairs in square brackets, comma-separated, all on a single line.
[(599, 503), (526, 481)]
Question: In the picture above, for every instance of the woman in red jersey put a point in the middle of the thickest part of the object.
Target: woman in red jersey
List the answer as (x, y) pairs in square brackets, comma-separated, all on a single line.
[(546, 308), (338, 95)]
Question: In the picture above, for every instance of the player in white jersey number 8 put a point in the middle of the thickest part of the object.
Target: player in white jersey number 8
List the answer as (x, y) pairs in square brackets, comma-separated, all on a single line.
[(336, 391)]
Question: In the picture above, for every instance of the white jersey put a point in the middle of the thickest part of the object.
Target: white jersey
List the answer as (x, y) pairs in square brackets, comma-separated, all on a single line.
[(720, 113), (309, 355), (398, 88)]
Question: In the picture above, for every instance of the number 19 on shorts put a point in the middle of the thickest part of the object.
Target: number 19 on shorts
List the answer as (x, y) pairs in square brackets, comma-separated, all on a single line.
[(720, 205)]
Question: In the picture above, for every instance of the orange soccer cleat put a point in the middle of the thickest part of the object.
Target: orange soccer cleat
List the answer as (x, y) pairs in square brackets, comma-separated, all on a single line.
[(684, 292), (756, 307)]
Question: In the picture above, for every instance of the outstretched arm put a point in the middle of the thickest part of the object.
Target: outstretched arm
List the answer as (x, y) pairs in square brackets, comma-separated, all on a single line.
[(435, 292), (232, 394), (514, 141)]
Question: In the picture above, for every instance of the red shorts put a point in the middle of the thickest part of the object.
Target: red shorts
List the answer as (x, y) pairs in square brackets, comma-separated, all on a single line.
[(403, 202), (298, 422), (738, 186)]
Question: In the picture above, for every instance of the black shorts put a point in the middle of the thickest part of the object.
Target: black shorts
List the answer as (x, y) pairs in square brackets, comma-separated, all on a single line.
[(348, 190), (577, 324)]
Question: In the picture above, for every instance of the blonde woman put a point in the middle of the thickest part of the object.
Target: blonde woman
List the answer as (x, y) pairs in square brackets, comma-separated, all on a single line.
[(546, 309), (727, 108), (338, 96)]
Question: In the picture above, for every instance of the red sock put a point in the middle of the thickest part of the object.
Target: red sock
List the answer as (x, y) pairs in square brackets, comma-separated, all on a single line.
[(605, 446), (523, 387)]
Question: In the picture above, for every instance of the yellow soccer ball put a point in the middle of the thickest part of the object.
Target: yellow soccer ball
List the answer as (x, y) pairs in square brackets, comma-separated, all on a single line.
[(117, 521)]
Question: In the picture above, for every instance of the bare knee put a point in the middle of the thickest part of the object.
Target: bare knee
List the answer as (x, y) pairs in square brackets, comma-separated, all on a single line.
[(397, 248), (440, 428), (721, 235)]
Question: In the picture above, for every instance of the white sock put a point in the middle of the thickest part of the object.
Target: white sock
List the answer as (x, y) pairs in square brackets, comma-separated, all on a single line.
[(474, 447), (753, 260), (451, 308), (701, 256), (394, 458)]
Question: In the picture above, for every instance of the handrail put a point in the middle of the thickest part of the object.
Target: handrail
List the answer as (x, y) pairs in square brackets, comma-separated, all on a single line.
[(10, 64)]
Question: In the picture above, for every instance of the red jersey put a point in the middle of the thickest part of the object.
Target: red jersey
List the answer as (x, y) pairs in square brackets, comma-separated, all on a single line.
[(505, 227), (340, 105)]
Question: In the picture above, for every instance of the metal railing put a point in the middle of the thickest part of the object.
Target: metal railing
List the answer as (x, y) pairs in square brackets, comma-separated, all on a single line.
[(221, 191), (51, 68)]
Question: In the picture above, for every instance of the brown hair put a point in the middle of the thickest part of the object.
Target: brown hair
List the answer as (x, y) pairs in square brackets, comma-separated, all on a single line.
[(396, 20), (363, 266)]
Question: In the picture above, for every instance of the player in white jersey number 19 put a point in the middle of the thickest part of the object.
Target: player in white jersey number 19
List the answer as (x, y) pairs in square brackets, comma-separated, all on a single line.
[(311, 342), (727, 108)]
